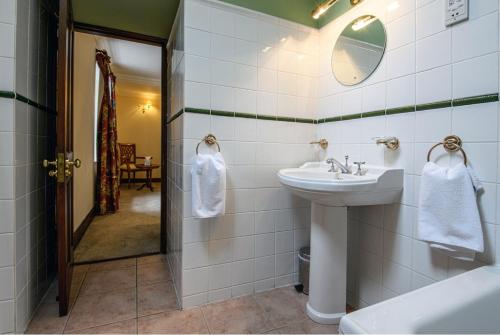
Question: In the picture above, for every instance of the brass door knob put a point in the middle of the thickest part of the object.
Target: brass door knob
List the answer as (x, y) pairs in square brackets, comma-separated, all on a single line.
[(47, 163), (75, 163)]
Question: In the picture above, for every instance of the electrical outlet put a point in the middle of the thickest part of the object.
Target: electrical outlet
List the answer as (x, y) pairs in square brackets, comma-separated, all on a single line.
[(456, 11)]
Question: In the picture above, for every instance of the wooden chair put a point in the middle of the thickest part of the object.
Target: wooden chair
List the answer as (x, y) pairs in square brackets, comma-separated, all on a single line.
[(128, 160)]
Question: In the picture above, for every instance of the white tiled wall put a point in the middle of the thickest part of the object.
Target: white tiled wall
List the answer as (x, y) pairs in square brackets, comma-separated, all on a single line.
[(7, 168), (238, 60), (175, 103), (424, 62), (241, 61), (23, 131)]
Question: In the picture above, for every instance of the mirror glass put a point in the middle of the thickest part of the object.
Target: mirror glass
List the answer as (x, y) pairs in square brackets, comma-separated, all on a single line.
[(358, 50)]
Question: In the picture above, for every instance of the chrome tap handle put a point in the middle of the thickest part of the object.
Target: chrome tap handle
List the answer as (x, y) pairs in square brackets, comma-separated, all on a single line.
[(359, 171), (346, 161), (332, 162)]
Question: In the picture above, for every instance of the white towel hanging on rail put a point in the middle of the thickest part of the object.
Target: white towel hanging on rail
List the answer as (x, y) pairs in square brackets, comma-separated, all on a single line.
[(208, 185), (448, 217)]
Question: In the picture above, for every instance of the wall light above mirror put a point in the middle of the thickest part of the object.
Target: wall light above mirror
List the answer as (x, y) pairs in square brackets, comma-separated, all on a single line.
[(324, 6), (358, 50)]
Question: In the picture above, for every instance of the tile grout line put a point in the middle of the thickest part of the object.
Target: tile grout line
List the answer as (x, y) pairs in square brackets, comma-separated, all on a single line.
[(204, 319), (76, 299)]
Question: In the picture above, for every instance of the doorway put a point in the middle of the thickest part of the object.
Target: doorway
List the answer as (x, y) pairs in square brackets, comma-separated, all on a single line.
[(133, 228)]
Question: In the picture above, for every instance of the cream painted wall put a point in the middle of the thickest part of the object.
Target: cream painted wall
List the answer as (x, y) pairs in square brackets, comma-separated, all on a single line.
[(135, 127), (83, 133)]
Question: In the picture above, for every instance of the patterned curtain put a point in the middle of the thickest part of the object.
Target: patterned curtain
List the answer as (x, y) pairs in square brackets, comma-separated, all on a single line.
[(108, 168)]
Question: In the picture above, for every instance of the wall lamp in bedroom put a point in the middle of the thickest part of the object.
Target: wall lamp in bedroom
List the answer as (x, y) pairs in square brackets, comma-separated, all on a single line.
[(324, 6), (145, 108)]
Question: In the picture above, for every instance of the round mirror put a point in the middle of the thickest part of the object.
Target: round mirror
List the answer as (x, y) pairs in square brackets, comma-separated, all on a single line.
[(358, 50)]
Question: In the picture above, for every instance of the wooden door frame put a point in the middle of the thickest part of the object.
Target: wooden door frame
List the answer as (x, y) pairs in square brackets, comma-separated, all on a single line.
[(162, 43)]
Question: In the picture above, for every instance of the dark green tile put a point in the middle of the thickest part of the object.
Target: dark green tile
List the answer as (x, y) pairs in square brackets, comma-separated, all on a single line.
[(7, 94), (245, 115), (285, 118), (322, 120), (374, 113), (302, 120), (351, 116), (222, 113), (197, 110), (434, 105), (479, 99), (22, 98), (399, 110), (333, 119), (266, 117), (175, 116)]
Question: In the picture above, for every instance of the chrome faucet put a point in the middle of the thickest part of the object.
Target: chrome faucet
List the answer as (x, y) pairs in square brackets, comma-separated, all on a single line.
[(343, 168)]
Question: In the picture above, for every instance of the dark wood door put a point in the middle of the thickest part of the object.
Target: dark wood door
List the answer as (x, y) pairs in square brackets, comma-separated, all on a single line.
[(64, 157)]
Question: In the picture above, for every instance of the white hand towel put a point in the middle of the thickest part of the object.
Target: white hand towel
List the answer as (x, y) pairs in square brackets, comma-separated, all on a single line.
[(208, 185), (448, 217)]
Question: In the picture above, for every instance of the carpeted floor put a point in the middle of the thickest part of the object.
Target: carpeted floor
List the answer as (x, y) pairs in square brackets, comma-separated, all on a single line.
[(134, 230)]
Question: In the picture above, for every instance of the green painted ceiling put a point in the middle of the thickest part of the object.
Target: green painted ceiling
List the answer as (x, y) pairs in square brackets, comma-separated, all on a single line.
[(155, 17), (149, 17)]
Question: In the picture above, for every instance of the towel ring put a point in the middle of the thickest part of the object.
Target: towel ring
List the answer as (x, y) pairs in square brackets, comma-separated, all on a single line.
[(451, 143), (209, 140)]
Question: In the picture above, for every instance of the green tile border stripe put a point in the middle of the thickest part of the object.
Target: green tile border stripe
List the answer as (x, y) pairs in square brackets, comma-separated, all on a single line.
[(434, 105), (7, 95), (22, 98), (373, 114), (479, 99), (400, 110)]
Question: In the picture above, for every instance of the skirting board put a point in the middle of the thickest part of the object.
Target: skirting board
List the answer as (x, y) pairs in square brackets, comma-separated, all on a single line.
[(82, 228)]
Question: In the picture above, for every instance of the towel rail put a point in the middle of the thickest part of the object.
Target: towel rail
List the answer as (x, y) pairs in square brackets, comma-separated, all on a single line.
[(451, 143), (209, 140)]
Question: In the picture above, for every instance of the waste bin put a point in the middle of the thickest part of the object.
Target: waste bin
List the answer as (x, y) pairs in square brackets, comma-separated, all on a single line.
[(304, 262)]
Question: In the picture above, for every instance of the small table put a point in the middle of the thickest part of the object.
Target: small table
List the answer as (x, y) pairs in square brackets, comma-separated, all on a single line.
[(149, 175)]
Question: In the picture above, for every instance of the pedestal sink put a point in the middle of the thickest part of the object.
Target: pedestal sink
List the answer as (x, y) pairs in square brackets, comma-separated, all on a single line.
[(330, 194)]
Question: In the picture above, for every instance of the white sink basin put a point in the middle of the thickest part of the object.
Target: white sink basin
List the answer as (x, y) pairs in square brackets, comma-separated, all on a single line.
[(330, 194), (378, 185)]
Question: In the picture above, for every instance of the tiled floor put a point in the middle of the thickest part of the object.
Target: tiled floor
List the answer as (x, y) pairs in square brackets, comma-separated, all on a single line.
[(137, 296)]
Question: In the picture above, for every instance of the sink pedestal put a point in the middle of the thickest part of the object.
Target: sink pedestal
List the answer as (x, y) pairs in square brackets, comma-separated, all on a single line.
[(330, 195), (328, 268)]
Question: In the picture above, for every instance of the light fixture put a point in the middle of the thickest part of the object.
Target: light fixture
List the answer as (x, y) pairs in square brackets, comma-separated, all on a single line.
[(393, 6), (266, 49), (363, 22), (145, 108), (322, 7)]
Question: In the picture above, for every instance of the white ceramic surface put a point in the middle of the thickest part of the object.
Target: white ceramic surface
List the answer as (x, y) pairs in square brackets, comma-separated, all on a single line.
[(331, 193), (378, 185), (467, 303)]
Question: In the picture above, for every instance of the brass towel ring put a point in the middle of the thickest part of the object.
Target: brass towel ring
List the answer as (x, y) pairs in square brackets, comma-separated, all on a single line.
[(450, 143), (209, 140)]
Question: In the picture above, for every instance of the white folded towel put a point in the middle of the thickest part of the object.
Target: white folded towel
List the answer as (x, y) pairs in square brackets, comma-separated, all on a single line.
[(448, 216), (208, 185)]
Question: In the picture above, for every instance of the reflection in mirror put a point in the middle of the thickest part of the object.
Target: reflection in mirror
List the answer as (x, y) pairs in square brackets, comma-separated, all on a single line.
[(358, 50)]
